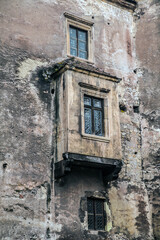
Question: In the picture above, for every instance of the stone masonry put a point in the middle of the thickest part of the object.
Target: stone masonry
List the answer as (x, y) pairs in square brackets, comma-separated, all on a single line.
[(34, 204)]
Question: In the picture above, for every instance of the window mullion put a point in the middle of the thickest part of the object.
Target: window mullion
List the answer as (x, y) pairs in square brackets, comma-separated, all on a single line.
[(94, 211), (92, 112), (103, 217), (87, 45), (102, 118)]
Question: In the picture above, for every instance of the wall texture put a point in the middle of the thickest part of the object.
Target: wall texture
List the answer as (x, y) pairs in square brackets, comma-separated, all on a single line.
[(148, 72), (35, 206)]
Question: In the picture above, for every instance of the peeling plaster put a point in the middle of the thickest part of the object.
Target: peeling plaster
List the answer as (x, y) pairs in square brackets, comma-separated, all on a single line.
[(27, 66)]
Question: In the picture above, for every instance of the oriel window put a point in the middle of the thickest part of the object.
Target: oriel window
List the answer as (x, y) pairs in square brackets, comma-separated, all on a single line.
[(96, 216), (78, 43), (93, 115)]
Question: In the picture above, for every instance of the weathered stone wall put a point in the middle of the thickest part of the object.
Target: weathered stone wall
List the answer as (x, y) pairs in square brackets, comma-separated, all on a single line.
[(148, 71), (25, 147), (33, 205)]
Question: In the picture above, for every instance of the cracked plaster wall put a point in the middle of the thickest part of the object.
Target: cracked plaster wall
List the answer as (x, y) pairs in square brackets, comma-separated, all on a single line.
[(125, 45)]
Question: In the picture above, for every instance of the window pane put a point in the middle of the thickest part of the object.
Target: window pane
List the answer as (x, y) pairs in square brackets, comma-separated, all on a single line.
[(87, 101), (73, 52), (73, 43), (82, 54), (97, 103), (88, 121), (73, 32), (99, 206), (98, 122), (99, 222), (82, 45), (95, 208), (91, 222), (82, 35), (90, 206)]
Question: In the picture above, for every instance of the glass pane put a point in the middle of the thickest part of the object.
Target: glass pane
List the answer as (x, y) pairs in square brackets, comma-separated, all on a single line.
[(90, 205), (99, 206), (73, 52), (88, 121), (82, 54), (98, 122), (99, 222), (82, 45), (91, 222), (73, 43), (73, 32), (87, 101), (82, 35), (97, 103)]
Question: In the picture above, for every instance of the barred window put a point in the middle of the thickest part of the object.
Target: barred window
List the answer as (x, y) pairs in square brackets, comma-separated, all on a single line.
[(96, 217), (78, 42), (93, 115)]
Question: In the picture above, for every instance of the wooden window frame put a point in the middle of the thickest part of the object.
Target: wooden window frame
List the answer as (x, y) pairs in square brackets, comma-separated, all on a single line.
[(94, 214), (77, 30), (106, 114), (84, 25), (92, 113)]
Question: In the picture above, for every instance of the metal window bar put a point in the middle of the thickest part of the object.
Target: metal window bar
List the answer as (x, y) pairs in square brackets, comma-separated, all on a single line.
[(96, 217)]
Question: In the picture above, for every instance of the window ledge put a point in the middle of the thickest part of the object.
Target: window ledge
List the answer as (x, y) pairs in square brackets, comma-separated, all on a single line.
[(80, 59), (95, 232), (96, 138)]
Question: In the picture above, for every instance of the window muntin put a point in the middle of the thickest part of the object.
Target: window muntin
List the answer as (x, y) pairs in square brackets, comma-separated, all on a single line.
[(93, 115), (78, 42), (96, 217)]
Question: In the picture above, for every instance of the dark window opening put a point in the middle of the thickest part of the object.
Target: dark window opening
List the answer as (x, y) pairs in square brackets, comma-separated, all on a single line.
[(78, 43), (93, 115), (96, 217), (136, 109)]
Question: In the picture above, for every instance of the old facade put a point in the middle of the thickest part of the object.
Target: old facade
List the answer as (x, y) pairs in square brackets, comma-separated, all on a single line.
[(80, 104)]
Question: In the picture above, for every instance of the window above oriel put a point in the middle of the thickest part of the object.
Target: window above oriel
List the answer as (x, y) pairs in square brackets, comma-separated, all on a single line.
[(79, 37), (78, 42)]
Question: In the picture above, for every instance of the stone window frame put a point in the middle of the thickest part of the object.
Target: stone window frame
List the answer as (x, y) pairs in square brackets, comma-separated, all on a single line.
[(83, 212), (104, 96), (85, 25)]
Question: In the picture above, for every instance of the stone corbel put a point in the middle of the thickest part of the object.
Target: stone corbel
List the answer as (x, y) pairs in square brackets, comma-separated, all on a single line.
[(110, 167)]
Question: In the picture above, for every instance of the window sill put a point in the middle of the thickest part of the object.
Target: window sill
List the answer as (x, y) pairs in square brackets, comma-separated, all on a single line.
[(95, 138), (80, 59), (95, 232)]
